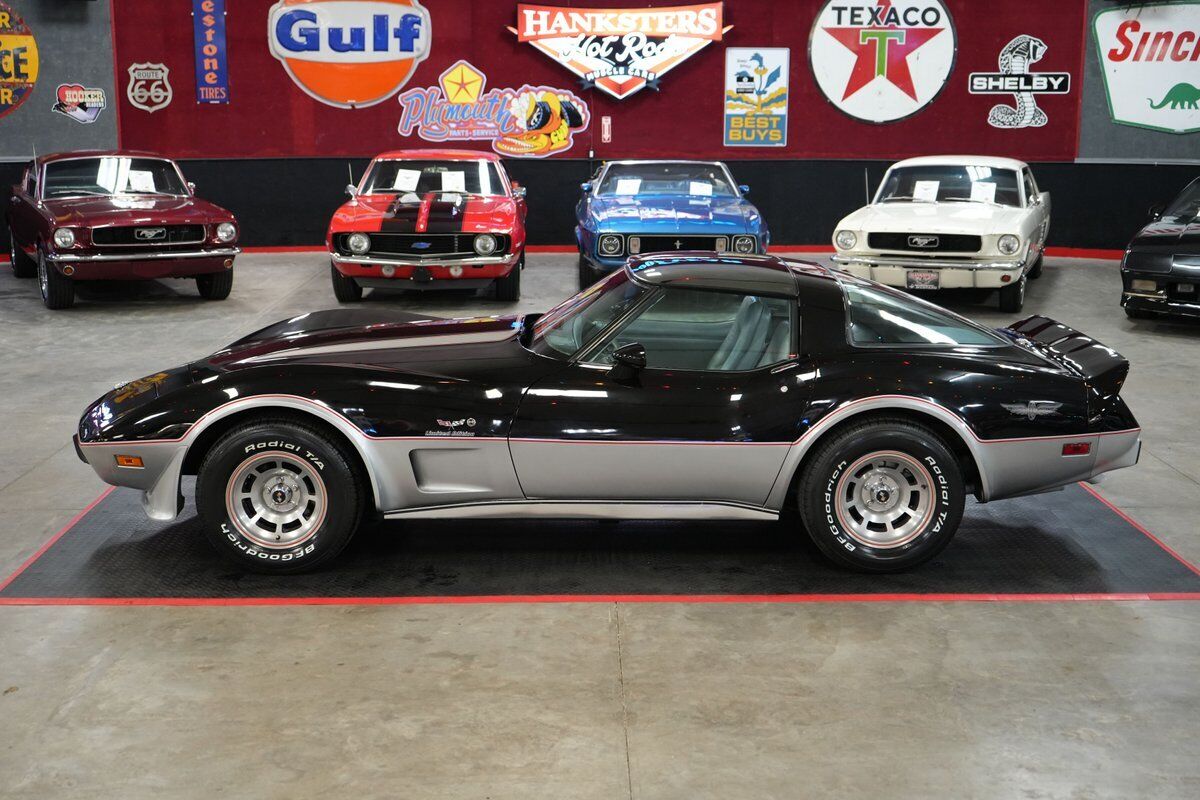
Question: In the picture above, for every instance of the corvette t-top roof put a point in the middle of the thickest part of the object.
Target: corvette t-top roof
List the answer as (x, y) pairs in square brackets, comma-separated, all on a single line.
[(753, 274)]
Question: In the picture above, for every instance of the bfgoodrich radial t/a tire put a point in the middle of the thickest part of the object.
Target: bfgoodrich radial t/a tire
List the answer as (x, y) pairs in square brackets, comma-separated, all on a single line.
[(278, 496), (882, 496)]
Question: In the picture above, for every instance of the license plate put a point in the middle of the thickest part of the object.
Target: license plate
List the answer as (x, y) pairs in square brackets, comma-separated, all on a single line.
[(923, 280), (1185, 288)]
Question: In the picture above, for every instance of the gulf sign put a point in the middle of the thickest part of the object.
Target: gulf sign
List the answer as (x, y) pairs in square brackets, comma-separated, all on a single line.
[(349, 53)]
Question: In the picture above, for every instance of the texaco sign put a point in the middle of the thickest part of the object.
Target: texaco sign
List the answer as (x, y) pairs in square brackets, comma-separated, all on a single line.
[(882, 60)]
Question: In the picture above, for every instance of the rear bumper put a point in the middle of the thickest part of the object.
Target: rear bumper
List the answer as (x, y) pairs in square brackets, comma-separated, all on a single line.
[(1015, 467), (424, 273), (954, 274), (141, 266)]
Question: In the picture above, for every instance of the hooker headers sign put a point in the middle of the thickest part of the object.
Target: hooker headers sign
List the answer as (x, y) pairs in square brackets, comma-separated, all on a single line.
[(1150, 58), (620, 50), (756, 96)]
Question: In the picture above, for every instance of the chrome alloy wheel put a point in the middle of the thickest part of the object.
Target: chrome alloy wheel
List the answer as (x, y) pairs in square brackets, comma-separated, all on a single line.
[(275, 500), (43, 270), (885, 499)]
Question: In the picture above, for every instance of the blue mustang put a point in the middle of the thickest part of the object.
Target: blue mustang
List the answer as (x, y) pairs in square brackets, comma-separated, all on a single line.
[(635, 207)]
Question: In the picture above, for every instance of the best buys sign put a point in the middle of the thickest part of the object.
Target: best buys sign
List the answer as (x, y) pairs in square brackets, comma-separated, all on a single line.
[(349, 53), (1150, 59)]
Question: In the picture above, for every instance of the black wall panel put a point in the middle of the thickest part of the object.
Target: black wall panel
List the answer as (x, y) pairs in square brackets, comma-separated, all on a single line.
[(289, 201)]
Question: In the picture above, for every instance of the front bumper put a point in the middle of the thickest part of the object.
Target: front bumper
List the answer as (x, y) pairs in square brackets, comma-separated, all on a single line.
[(425, 272), (142, 266), (157, 478), (953, 273), (1168, 296)]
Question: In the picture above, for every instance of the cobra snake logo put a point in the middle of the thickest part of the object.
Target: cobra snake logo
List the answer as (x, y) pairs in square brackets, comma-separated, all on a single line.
[(1016, 58)]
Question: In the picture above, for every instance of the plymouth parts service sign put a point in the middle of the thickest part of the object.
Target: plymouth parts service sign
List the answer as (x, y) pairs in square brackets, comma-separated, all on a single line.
[(620, 51), (882, 60), (349, 53), (1150, 59)]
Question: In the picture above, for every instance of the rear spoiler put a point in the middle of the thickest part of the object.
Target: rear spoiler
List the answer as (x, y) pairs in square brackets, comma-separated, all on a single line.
[(1104, 368)]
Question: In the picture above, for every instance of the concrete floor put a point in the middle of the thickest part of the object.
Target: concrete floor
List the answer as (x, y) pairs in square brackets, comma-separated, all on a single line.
[(969, 700)]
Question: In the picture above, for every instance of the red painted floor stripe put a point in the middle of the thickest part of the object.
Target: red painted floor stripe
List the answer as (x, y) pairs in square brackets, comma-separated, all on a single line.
[(41, 550), (1137, 525)]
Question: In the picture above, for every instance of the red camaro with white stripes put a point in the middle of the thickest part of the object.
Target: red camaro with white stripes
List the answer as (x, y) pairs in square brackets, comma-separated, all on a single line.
[(429, 219)]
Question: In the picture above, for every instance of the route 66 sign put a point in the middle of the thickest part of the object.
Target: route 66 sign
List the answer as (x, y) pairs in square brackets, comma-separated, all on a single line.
[(148, 87)]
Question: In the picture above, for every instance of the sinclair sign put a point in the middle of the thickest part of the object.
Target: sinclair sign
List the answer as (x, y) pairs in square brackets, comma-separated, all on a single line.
[(1150, 59)]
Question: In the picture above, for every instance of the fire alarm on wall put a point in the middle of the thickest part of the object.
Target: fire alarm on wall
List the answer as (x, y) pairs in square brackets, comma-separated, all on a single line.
[(606, 129)]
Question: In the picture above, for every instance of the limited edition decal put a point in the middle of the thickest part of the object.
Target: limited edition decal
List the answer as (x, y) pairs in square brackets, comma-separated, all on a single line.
[(79, 102), (620, 51), (18, 60), (1150, 59), (882, 60), (1015, 78), (349, 53), (530, 121)]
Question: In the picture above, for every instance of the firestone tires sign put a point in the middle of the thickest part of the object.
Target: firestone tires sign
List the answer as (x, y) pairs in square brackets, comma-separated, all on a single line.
[(620, 51), (1150, 59), (882, 61)]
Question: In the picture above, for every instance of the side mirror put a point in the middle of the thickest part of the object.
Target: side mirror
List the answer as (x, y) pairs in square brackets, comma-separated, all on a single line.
[(351, 190), (1156, 211), (586, 186), (743, 188), (519, 191), (628, 360), (191, 187)]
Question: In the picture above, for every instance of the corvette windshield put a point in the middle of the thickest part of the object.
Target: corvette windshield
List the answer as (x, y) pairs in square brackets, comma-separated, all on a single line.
[(642, 180), (420, 177), (576, 321), (1186, 207), (111, 175), (948, 183)]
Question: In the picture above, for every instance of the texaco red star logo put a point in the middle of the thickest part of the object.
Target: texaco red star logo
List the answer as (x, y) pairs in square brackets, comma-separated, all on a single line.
[(882, 53)]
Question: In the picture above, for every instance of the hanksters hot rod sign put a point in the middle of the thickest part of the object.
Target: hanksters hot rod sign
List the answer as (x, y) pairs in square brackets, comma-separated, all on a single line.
[(620, 51), (1150, 58)]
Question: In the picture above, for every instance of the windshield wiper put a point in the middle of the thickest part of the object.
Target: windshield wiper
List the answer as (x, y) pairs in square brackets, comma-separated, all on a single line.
[(971, 200), (69, 192), (905, 197)]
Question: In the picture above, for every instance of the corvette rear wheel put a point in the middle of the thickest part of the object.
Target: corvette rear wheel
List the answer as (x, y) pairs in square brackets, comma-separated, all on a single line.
[(278, 497), (58, 291), (346, 290), (22, 265), (216, 285), (882, 496)]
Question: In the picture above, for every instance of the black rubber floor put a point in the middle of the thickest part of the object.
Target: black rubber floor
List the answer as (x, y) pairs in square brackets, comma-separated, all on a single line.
[(1061, 543)]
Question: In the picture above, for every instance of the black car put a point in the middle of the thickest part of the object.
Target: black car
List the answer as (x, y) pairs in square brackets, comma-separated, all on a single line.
[(694, 385), (1160, 272)]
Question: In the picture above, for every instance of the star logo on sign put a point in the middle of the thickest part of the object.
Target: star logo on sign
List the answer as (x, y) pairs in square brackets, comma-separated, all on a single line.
[(462, 83), (882, 52)]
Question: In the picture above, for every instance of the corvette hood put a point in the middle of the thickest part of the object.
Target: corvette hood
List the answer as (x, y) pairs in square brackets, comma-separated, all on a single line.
[(134, 210), (970, 218), (387, 344), (432, 212), (674, 214)]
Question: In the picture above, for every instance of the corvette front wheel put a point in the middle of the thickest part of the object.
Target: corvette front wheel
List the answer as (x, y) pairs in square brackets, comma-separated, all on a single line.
[(882, 496), (278, 497)]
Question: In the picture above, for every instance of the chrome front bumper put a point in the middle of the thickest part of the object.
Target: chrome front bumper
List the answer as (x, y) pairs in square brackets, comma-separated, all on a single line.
[(955, 273), (220, 252), (409, 261)]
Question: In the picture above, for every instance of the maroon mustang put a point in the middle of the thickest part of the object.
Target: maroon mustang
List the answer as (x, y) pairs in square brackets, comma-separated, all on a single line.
[(116, 215)]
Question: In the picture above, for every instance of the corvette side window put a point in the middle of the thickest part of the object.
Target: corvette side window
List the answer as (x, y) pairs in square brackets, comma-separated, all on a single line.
[(884, 317), (689, 329)]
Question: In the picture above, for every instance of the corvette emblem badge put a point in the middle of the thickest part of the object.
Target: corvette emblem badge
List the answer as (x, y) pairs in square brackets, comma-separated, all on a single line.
[(1033, 409)]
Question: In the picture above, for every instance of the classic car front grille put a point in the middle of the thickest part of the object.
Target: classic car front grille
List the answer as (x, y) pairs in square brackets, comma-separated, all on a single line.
[(925, 242), (147, 235), (668, 244), (421, 245)]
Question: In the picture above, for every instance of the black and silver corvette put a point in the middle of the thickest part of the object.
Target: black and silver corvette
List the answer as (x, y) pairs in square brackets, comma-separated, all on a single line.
[(694, 385), (1160, 272)]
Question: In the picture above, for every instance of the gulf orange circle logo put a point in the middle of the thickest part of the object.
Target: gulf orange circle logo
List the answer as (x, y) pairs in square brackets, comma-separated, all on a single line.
[(18, 60), (349, 53)]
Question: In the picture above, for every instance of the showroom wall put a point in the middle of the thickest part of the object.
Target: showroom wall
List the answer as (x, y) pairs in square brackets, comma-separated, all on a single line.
[(269, 102)]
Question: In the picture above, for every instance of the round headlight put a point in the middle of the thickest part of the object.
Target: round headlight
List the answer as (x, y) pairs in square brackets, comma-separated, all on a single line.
[(743, 244), (226, 232), (1009, 244), (845, 240), (64, 237), (610, 245), (358, 243), (485, 244)]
